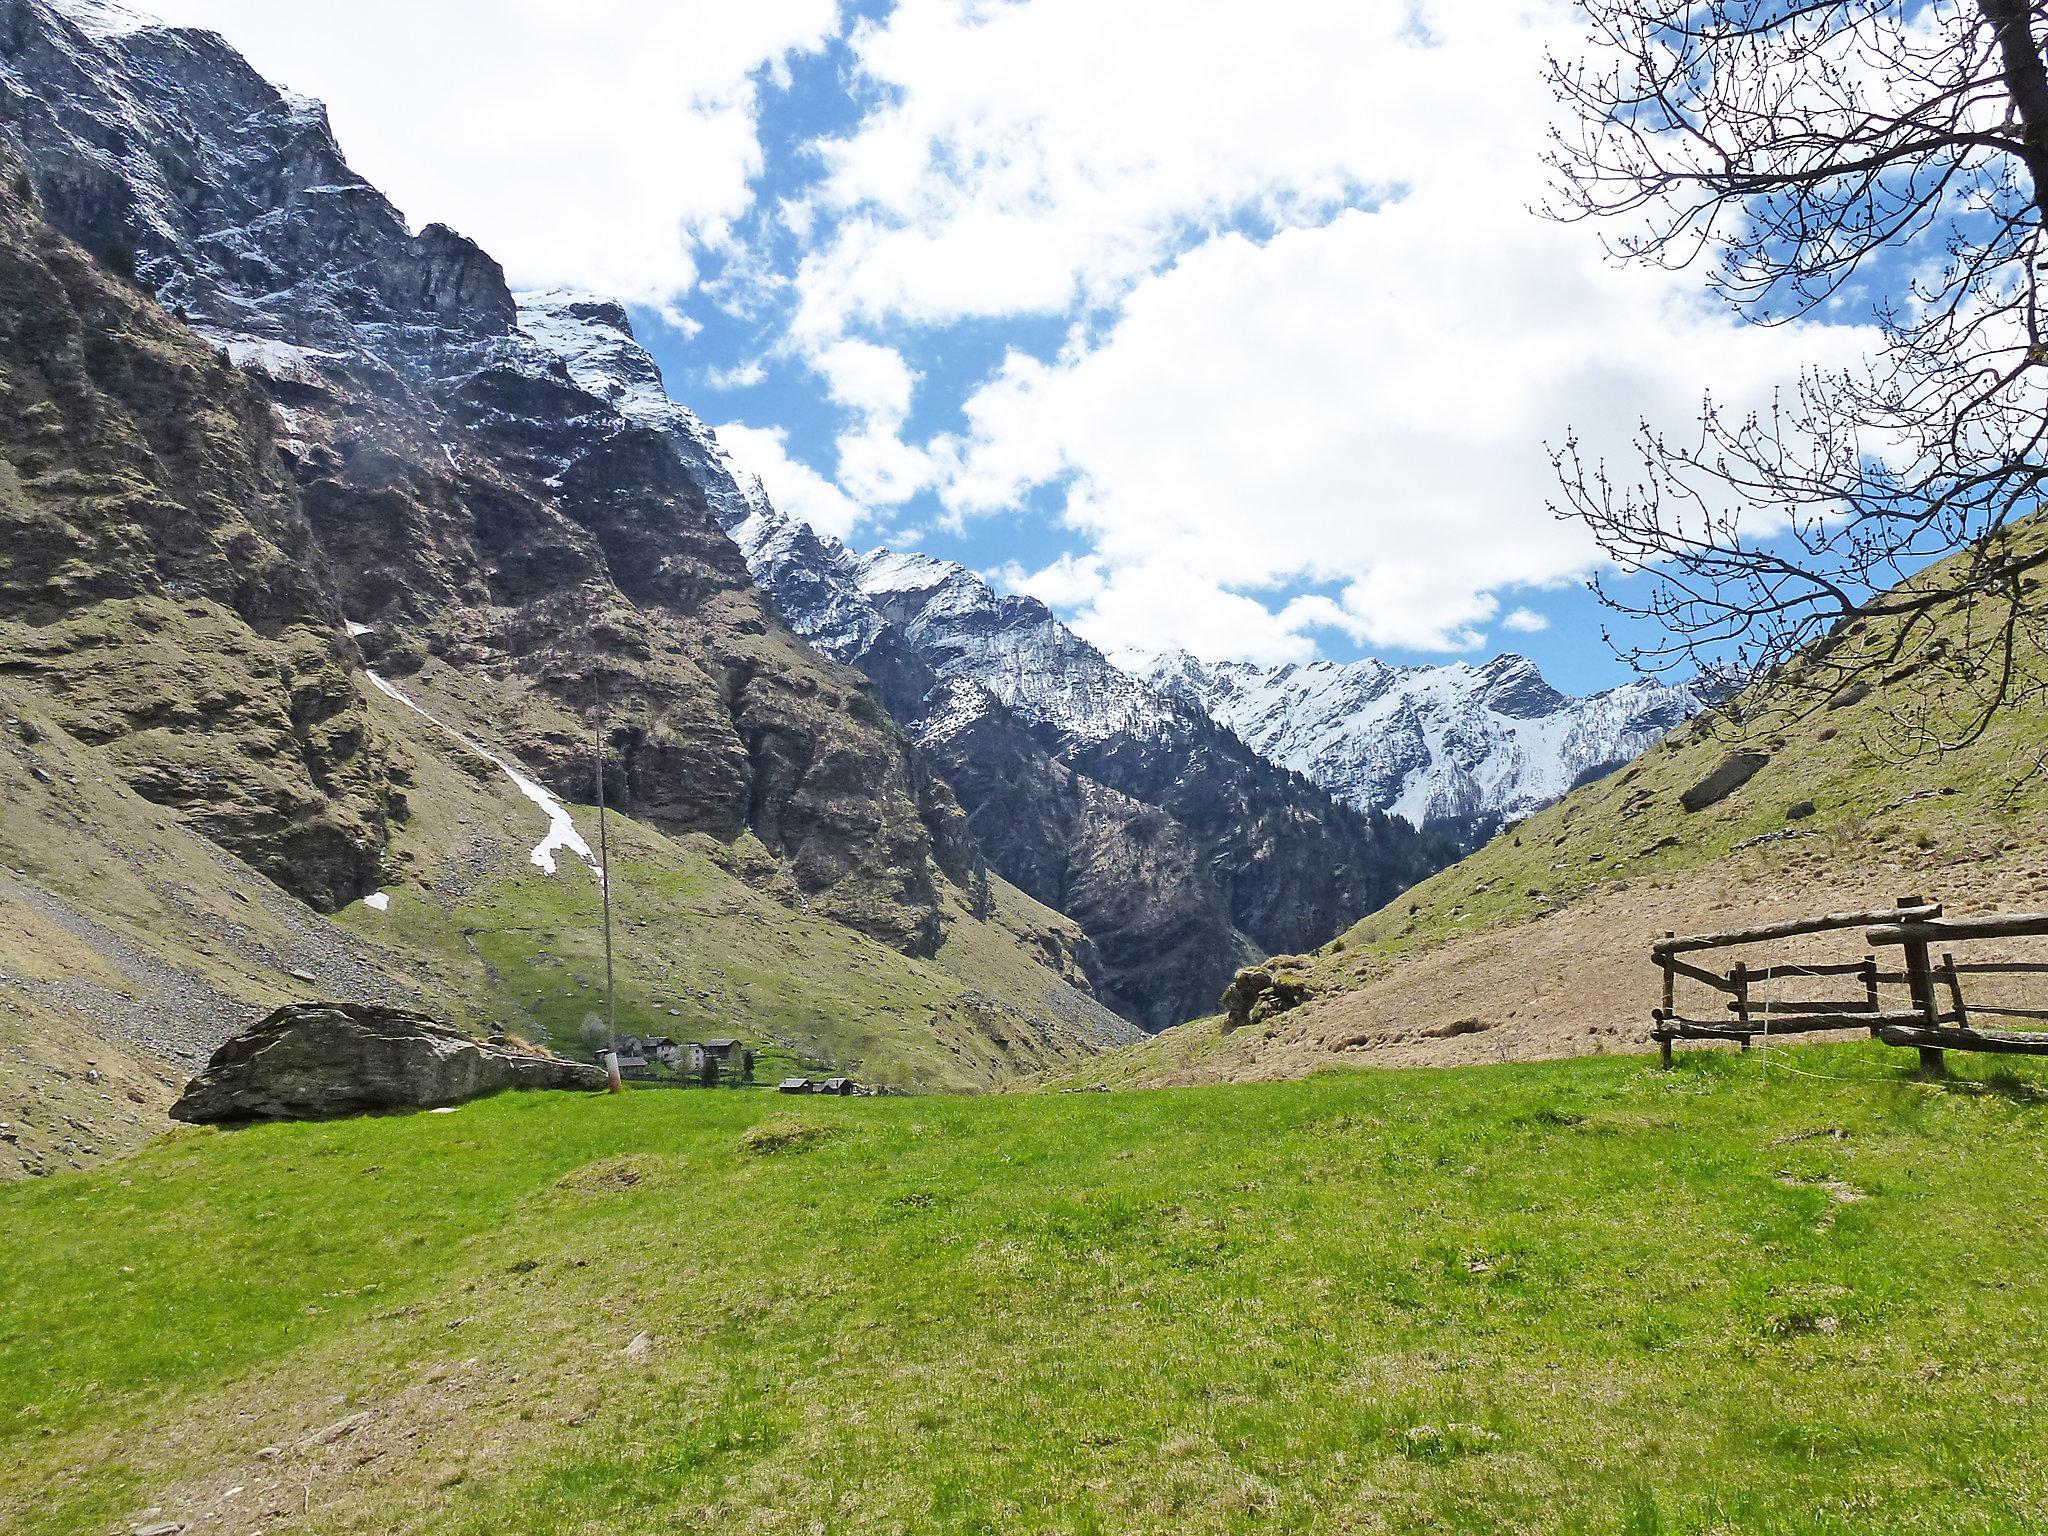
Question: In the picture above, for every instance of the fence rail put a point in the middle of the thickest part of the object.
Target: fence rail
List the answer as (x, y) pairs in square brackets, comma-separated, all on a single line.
[(1938, 1018)]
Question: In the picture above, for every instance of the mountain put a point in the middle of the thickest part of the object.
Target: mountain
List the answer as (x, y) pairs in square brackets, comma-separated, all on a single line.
[(1459, 743), (257, 437), (1177, 848), (1539, 943), (461, 492), (459, 481)]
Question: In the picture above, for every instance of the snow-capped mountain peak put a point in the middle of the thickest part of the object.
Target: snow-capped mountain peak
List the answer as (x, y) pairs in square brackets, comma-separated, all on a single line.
[(1426, 743), (106, 18)]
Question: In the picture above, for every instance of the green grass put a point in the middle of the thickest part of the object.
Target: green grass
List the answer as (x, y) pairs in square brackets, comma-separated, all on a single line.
[(1583, 1296), (698, 954)]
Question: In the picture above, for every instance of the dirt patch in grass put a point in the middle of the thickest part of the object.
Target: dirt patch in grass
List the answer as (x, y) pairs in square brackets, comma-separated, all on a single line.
[(1575, 982), (614, 1175)]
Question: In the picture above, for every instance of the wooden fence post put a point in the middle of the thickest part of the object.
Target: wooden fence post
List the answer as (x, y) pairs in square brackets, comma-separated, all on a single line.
[(1955, 990), (1920, 983), (1870, 991), (1670, 999), (1740, 976)]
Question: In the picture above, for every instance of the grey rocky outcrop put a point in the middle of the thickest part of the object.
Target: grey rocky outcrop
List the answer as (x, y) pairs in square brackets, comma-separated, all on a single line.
[(1258, 992), (324, 1061)]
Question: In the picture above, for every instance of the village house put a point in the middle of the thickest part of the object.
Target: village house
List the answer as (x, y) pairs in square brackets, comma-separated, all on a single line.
[(724, 1061), (706, 1061), (631, 1050)]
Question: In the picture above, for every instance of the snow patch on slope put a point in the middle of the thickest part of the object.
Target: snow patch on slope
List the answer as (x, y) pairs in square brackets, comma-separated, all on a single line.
[(562, 833)]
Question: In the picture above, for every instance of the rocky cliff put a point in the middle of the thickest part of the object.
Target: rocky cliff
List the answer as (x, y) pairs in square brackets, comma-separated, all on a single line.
[(440, 481), (158, 583)]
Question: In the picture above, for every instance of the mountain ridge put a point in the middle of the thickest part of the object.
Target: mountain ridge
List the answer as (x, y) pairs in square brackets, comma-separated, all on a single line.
[(1241, 855), (1487, 742)]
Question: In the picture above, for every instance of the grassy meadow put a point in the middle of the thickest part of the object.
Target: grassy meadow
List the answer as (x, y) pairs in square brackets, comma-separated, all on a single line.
[(1575, 1296)]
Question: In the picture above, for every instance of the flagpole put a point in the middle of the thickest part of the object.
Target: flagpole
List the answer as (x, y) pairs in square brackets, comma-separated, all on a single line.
[(604, 880)]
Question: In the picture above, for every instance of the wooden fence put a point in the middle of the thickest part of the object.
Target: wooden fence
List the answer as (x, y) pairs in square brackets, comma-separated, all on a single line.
[(1935, 1017)]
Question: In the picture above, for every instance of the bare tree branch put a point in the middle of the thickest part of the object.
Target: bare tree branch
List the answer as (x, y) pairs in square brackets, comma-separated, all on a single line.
[(1865, 528)]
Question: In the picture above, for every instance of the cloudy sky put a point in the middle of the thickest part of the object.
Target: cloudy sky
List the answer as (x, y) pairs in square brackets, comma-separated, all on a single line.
[(1212, 324)]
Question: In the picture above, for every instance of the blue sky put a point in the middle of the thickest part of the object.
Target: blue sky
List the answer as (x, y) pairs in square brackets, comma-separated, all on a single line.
[(1214, 328)]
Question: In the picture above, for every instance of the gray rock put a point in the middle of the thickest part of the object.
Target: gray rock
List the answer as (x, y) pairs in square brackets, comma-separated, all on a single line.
[(321, 1061), (341, 1429), (1729, 775)]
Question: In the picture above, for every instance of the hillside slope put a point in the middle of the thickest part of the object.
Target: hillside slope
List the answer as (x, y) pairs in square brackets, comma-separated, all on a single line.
[(1538, 944), (131, 944)]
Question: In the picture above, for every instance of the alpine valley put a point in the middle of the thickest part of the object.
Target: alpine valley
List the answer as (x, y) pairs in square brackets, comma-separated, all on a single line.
[(323, 549), (540, 993)]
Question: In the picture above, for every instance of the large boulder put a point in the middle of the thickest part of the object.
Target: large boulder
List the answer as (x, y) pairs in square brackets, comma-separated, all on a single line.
[(1258, 992), (321, 1061)]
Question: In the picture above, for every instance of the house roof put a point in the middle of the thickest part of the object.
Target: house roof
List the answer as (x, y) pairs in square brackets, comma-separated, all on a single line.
[(720, 1045)]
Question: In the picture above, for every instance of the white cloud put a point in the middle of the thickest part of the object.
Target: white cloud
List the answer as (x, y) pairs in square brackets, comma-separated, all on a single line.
[(878, 467), (1066, 583), (1361, 405), (1314, 338), (1027, 154), (792, 485), (1353, 398), (873, 382), (871, 379), (593, 143), (741, 376), (1525, 621)]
